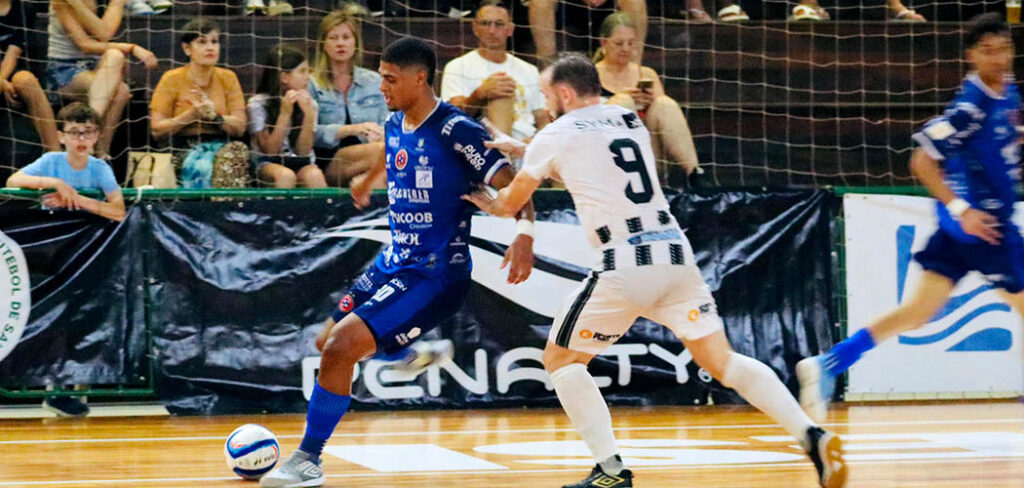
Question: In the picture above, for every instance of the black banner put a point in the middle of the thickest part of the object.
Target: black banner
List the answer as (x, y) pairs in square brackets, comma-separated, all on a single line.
[(237, 291)]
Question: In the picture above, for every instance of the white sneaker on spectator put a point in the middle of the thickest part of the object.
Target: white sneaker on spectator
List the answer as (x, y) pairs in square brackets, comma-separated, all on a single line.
[(255, 7), (161, 6), (280, 7), (139, 7), (458, 14)]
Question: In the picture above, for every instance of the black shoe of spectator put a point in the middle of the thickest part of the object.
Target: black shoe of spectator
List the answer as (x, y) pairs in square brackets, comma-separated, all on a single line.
[(65, 406)]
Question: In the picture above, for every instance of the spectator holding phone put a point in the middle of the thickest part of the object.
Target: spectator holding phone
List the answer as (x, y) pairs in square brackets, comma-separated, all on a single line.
[(638, 88)]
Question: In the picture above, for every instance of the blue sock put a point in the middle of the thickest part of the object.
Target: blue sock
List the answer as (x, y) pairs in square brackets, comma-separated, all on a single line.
[(324, 413), (844, 354)]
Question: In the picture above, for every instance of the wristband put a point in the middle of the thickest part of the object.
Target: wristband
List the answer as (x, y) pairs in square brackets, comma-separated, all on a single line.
[(957, 206), (524, 227)]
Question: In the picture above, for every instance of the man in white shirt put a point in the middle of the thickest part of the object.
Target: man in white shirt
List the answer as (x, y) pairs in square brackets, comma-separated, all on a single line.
[(490, 82), (643, 266)]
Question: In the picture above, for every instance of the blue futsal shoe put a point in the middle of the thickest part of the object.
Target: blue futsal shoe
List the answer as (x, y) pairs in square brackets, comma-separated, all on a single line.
[(816, 386)]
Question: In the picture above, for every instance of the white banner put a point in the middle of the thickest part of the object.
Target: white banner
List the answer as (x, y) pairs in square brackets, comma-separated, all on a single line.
[(970, 348)]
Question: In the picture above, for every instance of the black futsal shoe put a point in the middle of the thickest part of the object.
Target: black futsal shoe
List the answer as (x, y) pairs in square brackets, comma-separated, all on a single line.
[(600, 479)]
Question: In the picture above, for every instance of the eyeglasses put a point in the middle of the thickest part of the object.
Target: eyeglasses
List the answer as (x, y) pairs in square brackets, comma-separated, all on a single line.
[(81, 134), (492, 23)]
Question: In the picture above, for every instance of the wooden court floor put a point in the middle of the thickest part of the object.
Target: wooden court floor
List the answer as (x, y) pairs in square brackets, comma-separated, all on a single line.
[(943, 445)]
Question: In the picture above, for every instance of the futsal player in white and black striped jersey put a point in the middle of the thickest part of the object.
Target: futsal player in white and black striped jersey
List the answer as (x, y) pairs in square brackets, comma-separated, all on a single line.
[(643, 266)]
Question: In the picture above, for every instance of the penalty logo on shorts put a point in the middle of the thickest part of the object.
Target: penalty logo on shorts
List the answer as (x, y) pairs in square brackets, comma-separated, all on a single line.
[(15, 294)]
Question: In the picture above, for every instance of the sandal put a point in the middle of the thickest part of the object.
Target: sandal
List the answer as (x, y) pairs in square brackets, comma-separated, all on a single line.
[(698, 16), (907, 15), (732, 13)]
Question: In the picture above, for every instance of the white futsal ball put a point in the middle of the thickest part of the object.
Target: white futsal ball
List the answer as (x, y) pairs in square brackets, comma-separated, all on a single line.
[(251, 451)]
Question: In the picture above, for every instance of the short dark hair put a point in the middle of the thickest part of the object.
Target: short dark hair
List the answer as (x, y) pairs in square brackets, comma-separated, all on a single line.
[(491, 3), (409, 52), (199, 26), (578, 72), (78, 113), (981, 25)]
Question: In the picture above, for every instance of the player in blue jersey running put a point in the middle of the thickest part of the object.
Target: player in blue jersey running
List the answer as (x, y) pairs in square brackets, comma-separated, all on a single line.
[(434, 154), (977, 145)]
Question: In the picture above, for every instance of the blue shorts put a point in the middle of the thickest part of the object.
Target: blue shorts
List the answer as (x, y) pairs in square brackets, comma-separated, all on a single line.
[(1002, 265), (400, 307)]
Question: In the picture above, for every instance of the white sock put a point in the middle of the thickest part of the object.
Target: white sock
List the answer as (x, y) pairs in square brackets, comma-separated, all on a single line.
[(587, 409), (759, 385)]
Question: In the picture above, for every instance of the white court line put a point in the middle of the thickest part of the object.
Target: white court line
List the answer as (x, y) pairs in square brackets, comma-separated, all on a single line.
[(496, 472), (518, 431)]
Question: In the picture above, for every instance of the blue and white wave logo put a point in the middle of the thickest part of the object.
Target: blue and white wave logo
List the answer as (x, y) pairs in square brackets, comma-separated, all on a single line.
[(977, 320), (561, 258)]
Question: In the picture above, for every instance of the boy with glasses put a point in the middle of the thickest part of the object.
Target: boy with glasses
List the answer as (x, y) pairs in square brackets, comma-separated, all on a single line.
[(74, 169)]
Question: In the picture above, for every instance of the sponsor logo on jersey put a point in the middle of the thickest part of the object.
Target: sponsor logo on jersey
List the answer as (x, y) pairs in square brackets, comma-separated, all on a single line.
[(603, 124), (424, 178), (448, 126), (394, 141), (631, 120), (423, 160), (412, 217), (473, 157), (405, 238), (419, 145), (401, 159), (458, 258), (411, 195)]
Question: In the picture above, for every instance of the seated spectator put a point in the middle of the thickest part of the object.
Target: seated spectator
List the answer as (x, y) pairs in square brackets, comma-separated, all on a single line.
[(271, 7), (282, 118), (83, 64), (23, 89), (73, 170), (200, 108), (579, 18), (351, 106), (490, 82), (638, 88)]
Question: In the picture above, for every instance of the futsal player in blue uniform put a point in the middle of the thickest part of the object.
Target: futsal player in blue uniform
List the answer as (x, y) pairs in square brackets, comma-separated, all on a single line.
[(969, 160), (434, 154)]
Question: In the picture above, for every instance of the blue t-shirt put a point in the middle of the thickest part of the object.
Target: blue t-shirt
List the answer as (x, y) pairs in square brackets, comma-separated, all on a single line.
[(977, 139), (96, 175), (429, 169)]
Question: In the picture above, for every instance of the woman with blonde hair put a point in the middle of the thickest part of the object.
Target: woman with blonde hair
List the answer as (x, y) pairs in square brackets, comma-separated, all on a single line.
[(638, 88), (351, 107)]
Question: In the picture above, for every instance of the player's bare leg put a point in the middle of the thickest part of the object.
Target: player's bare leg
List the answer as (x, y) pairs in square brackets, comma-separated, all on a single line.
[(582, 401), (818, 374), (759, 386), (343, 344)]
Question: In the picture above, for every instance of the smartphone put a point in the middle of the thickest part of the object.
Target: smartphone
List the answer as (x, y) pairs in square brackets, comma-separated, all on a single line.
[(644, 85)]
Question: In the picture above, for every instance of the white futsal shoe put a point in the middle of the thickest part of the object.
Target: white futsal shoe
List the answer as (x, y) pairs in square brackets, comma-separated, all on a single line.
[(299, 471), (423, 354), (816, 386)]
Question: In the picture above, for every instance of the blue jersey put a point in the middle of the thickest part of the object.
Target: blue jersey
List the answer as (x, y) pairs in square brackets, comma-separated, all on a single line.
[(429, 168), (976, 138)]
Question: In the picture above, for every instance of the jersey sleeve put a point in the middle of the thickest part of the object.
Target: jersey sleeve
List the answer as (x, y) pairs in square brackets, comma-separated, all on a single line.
[(944, 136), (467, 137), (539, 160)]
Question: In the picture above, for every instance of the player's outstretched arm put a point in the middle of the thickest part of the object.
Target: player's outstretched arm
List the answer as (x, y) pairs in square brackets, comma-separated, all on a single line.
[(520, 252), (975, 222)]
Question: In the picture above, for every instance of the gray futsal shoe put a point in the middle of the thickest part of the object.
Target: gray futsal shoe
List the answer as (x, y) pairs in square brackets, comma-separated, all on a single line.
[(299, 471), (423, 354)]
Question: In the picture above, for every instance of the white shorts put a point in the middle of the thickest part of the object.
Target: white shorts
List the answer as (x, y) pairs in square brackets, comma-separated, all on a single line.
[(607, 304)]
